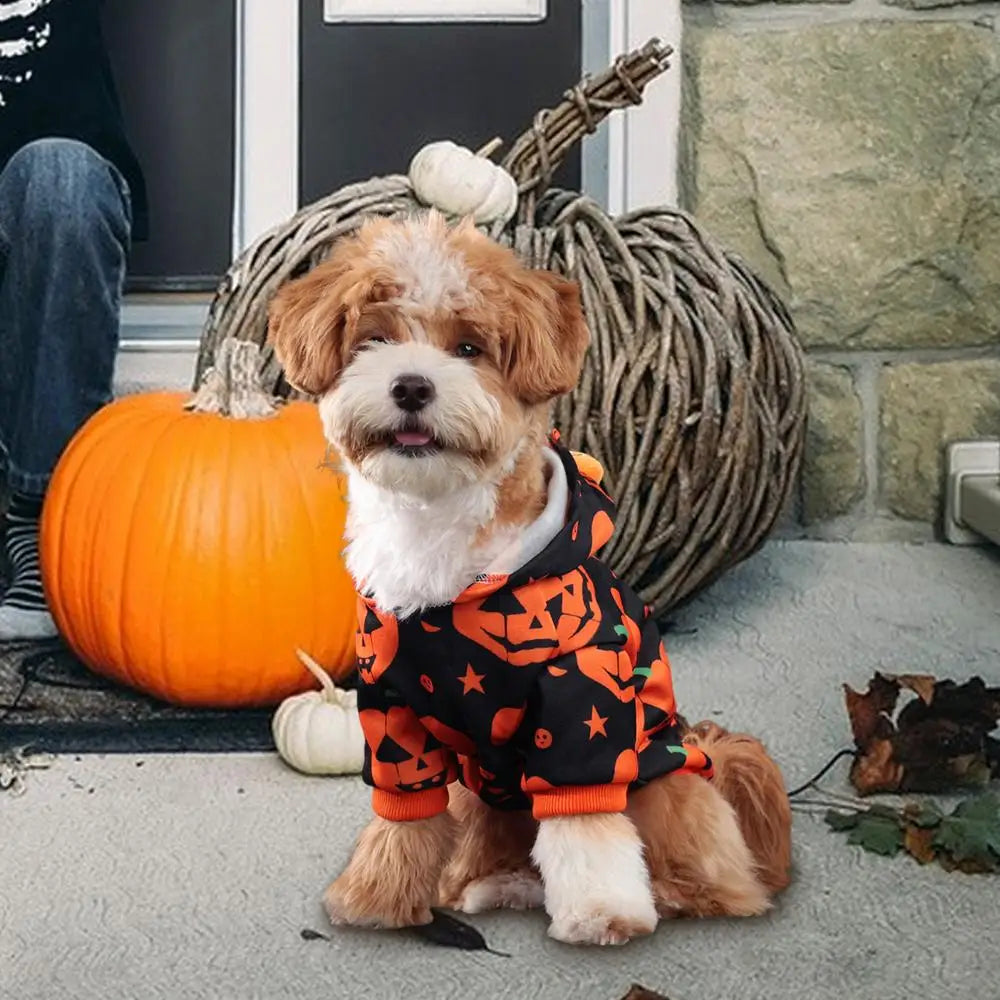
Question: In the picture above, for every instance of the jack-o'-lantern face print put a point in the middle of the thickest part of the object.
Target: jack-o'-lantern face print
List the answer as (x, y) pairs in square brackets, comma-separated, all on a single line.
[(403, 754), (447, 736), (612, 666), (658, 686), (601, 530), (376, 642), (656, 696), (533, 623), (609, 667)]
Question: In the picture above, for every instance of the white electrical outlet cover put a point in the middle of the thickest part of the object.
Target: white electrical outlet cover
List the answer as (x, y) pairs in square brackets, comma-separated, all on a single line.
[(966, 458)]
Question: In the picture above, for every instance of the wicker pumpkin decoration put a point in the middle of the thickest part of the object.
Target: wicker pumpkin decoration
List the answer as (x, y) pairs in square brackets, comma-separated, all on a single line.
[(692, 394), (189, 545), (319, 732)]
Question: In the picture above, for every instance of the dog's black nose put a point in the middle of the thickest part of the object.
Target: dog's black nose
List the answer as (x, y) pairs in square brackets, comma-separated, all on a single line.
[(412, 392)]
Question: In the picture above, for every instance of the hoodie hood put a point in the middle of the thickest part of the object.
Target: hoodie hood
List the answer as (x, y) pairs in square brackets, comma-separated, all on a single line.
[(587, 526)]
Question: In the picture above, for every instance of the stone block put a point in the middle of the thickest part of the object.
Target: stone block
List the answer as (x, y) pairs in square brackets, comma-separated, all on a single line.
[(923, 408), (833, 478), (928, 4), (857, 167)]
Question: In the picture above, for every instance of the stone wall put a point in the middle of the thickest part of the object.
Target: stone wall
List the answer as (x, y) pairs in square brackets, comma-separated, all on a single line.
[(851, 152)]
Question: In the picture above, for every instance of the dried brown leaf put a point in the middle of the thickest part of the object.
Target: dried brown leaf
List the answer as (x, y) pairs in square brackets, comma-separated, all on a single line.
[(638, 992), (945, 774), (868, 711), (877, 770), (920, 684), (919, 842), (937, 741), (968, 866)]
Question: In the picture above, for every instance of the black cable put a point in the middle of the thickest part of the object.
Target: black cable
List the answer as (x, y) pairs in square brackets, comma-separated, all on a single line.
[(826, 767)]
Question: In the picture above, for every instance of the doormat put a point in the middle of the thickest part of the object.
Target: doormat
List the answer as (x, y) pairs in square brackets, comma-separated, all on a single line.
[(51, 702)]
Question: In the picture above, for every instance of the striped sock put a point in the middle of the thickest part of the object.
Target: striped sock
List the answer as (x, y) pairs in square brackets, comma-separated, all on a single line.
[(21, 530)]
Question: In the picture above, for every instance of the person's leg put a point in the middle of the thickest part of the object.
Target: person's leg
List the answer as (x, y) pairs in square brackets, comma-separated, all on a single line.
[(64, 238)]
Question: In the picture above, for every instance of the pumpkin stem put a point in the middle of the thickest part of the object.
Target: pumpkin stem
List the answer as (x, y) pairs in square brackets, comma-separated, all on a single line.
[(490, 148), (330, 692), (232, 385)]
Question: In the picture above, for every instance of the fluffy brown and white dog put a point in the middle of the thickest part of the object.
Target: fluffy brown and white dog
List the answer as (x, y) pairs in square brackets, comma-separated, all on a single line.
[(435, 356)]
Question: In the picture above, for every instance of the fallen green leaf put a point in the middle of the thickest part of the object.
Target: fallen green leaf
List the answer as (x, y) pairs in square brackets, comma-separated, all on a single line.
[(923, 815), (971, 834), (840, 821), (981, 808), (885, 812), (967, 839), (878, 834)]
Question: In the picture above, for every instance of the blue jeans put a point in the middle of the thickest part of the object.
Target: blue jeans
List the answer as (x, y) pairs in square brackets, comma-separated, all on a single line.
[(64, 238)]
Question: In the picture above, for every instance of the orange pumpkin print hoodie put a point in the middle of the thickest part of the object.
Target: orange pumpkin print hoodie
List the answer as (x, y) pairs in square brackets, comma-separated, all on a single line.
[(545, 688)]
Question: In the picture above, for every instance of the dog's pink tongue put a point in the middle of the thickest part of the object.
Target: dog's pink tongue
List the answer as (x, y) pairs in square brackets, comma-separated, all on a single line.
[(412, 439)]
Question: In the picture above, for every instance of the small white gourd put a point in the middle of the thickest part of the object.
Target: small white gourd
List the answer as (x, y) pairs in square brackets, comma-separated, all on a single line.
[(319, 732), (461, 183)]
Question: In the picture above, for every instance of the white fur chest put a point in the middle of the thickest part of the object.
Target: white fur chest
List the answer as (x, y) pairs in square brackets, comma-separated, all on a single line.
[(408, 554)]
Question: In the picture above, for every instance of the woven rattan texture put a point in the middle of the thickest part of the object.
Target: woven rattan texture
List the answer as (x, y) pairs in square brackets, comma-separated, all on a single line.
[(692, 395)]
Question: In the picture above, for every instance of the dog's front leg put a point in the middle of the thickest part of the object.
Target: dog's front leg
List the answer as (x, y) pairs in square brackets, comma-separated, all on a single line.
[(597, 887), (392, 878)]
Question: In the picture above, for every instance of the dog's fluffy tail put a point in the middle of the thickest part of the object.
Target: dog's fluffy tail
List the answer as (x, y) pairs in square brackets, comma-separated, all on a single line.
[(753, 785)]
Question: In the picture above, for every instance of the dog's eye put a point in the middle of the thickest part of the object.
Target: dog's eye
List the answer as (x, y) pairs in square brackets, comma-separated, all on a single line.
[(467, 350), (378, 339)]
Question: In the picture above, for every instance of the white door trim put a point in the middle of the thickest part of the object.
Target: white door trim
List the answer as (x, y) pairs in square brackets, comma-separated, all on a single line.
[(643, 141), (266, 168), (433, 10)]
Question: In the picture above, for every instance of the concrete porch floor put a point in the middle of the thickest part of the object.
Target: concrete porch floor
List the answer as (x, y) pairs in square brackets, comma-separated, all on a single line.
[(188, 876)]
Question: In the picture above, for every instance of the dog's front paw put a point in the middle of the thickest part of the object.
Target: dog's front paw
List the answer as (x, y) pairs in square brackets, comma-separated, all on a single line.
[(603, 922), (350, 904), (597, 887), (512, 890)]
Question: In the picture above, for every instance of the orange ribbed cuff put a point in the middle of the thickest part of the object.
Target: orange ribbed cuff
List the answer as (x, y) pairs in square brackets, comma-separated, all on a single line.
[(403, 806), (578, 800)]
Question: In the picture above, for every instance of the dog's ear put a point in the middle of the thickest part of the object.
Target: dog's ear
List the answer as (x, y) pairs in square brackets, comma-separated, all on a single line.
[(309, 319), (549, 337), (305, 325)]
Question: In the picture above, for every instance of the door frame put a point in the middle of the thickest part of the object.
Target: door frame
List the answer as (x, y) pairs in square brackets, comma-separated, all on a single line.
[(629, 163), (432, 11)]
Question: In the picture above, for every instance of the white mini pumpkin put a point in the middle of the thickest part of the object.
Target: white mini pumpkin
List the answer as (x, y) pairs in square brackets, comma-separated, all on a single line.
[(319, 732), (458, 182)]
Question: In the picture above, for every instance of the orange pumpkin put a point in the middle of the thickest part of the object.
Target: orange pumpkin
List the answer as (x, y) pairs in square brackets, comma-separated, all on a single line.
[(191, 544)]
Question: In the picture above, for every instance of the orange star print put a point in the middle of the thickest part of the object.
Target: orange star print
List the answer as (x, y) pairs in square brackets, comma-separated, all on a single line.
[(596, 723), (471, 681)]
